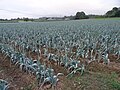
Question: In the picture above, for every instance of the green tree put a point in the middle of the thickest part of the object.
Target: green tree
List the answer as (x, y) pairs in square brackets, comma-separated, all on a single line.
[(115, 9), (80, 15), (115, 12), (26, 19)]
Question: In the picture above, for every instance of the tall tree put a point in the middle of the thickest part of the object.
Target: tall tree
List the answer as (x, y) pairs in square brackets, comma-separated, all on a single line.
[(115, 12), (80, 15)]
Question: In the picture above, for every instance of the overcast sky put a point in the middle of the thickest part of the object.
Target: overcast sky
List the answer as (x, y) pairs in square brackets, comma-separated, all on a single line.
[(41, 8)]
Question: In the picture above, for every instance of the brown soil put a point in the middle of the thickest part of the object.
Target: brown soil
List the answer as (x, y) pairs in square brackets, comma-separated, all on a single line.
[(20, 80)]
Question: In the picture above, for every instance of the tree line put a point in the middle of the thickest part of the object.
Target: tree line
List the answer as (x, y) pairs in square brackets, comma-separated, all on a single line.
[(115, 12)]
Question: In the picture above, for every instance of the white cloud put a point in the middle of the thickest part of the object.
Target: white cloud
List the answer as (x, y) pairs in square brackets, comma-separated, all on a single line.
[(37, 8)]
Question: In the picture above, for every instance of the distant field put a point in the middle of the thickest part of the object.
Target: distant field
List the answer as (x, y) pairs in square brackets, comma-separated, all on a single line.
[(110, 18)]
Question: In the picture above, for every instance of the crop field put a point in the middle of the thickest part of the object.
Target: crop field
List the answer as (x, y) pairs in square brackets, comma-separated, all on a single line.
[(60, 55)]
